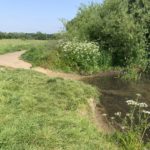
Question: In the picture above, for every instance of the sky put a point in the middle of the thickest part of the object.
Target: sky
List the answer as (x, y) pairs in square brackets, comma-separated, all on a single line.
[(37, 15)]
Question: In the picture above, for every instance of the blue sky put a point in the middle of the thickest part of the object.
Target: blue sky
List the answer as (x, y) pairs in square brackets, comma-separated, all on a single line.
[(37, 15)]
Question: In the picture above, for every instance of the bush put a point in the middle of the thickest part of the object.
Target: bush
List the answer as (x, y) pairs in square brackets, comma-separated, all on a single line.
[(120, 27), (81, 56)]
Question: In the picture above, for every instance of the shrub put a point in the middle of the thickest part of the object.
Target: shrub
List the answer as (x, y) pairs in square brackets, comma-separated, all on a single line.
[(81, 56), (121, 27)]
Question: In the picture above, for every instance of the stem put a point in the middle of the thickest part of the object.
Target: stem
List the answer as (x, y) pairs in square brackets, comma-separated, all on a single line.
[(132, 116), (140, 115), (145, 128)]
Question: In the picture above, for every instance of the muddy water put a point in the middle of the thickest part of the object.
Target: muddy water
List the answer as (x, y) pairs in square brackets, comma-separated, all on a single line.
[(116, 91)]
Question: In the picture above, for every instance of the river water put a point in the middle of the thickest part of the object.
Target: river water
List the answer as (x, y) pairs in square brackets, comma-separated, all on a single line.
[(115, 91)]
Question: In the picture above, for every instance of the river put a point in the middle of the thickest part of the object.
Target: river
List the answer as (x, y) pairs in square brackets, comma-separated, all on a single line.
[(116, 91)]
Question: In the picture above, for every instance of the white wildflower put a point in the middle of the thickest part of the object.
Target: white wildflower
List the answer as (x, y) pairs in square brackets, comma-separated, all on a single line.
[(146, 112), (128, 114), (144, 105), (123, 128), (84, 53), (112, 118), (118, 114), (132, 102), (104, 115), (138, 95)]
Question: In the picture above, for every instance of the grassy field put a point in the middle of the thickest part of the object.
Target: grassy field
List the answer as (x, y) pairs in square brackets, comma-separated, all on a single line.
[(39, 113), (12, 45), (42, 53)]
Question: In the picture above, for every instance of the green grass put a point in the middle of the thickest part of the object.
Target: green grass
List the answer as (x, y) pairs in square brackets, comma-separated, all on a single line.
[(47, 56), (12, 45), (40, 113)]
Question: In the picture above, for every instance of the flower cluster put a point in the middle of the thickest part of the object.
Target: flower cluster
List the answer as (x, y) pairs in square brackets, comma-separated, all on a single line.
[(104, 115), (83, 55), (118, 114), (134, 124), (135, 103), (146, 112), (132, 102)]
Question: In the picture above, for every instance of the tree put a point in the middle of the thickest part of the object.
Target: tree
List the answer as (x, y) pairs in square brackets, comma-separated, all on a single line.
[(115, 27)]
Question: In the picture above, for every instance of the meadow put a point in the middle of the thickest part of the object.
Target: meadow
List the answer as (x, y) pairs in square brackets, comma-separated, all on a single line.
[(41, 113)]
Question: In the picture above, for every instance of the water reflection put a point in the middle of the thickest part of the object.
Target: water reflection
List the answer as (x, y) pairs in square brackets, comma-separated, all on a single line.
[(116, 91)]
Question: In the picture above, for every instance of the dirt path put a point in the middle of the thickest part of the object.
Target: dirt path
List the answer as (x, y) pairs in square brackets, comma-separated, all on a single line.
[(13, 60)]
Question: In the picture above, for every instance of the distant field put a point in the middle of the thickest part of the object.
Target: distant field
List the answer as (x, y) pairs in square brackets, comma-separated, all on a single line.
[(17, 45)]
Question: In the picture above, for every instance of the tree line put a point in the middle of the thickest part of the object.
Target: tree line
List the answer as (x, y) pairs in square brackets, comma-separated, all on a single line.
[(36, 36)]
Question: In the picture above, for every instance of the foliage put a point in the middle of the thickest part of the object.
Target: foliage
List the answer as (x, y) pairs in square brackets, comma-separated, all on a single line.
[(40, 113), (105, 61), (131, 73), (120, 27), (29, 36), (81, 56)]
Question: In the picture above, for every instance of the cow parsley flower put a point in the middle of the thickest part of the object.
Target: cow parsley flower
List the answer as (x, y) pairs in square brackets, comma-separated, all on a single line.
[(138, 95), (128, 114), (118, 114), (112, 118), (104, 115), (144, 105), (146, 112), (132, 102)]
